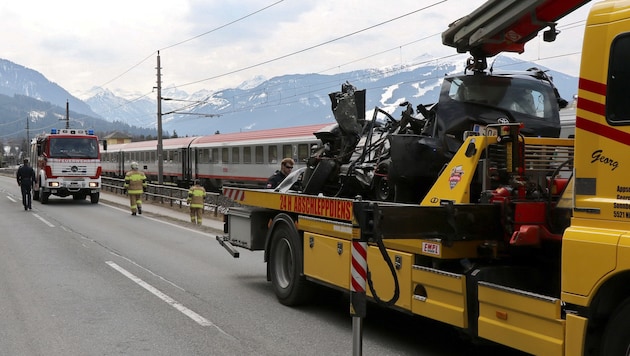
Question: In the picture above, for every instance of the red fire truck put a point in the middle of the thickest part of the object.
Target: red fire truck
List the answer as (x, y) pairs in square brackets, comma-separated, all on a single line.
[(67, 162)]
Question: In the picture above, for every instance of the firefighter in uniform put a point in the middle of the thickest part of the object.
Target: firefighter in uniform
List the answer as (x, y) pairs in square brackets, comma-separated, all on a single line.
[(196, 198), (135, 185)]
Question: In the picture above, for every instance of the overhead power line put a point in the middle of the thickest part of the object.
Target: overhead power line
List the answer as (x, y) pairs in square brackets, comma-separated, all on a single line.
[(312, 47)]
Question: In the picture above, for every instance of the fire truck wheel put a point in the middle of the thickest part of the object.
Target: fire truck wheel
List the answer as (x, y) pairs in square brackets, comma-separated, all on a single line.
[(45, 196), (290, 287), (94, 197), (616, 339)]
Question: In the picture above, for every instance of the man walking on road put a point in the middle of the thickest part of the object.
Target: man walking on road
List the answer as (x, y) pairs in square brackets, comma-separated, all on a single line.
[(196, 198), (135, 184), (25, 179)]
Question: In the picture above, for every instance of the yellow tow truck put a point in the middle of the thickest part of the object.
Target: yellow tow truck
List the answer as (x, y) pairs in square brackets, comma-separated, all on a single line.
[(521, 240)]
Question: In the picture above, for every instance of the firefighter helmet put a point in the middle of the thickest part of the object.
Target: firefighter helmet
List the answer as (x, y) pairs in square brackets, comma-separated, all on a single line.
[(134, 165)]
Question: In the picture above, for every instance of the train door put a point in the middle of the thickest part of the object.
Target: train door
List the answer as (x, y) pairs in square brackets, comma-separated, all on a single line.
[(196, 156), (186, 165), (120, 162)]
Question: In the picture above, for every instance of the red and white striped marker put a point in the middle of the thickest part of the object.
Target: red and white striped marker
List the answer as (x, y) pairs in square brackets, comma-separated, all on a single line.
[(359, 266), (234, 194)]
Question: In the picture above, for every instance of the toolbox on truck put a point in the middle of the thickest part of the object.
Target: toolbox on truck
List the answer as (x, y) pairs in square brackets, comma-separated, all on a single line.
[(247, 227)]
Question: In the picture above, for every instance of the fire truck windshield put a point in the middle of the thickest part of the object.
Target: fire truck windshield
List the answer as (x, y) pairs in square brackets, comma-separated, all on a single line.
[(68, 147)]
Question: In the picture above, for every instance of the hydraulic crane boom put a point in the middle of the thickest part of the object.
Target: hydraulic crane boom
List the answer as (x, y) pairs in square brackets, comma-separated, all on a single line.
[(505, 26)]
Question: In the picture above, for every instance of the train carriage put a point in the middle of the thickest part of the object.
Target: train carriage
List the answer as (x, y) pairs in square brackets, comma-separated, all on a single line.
[(249, 158), (245, 159), (175, 152)]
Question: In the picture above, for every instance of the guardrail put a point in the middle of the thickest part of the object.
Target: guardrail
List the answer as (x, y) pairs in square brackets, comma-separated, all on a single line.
[(174, 196)]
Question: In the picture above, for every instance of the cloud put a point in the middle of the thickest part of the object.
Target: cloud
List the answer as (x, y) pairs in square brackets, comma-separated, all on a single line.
[(80, 44)]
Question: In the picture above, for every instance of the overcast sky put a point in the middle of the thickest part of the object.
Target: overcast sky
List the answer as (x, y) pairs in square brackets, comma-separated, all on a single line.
[(80, 44)]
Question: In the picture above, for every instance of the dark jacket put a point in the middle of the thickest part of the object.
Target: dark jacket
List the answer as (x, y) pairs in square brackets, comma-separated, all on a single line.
[(275, 179), (25, 176)]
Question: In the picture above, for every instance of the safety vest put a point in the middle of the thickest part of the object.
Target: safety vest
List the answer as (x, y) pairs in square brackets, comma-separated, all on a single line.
[(135, 182), (196, 196)]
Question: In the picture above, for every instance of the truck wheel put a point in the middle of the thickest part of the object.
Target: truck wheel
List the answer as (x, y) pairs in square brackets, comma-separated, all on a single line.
[(45, 196), (94, 197), (616, 340), (290, 286)]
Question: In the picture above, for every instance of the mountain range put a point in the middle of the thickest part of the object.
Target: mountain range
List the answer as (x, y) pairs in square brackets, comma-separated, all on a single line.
[(260, 103)]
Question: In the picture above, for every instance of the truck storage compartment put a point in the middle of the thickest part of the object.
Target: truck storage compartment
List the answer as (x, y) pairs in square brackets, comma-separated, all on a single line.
[(327, 259), (383, 280), (248, 227), (523, 320), (439, 295)]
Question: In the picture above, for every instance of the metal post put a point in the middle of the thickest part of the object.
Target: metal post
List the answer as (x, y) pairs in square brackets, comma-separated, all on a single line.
[(159, 123), (357, 293)]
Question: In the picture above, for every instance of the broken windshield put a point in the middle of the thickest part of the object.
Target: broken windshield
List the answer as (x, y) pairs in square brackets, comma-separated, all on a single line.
[(518, 95)]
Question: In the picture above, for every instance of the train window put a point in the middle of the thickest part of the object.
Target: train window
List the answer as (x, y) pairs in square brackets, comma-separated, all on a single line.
[(303, 152), (247, 155), (214, 158), (273, 154), (260, 157), (152, 159), (205, 156), (175, 156), (287, 151), (236, 158), (224, 155)]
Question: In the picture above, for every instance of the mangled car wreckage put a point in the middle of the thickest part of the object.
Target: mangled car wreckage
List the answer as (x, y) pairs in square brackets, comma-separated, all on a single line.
[(398, 160)]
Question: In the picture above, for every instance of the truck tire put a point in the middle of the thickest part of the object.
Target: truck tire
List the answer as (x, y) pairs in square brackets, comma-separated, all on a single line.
[(45, 196), (616, 340), (94, 197), (285, 261)]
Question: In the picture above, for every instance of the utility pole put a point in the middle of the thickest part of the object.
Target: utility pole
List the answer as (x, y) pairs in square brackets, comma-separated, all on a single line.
[(67, 114), (159, 121), (28, 141)]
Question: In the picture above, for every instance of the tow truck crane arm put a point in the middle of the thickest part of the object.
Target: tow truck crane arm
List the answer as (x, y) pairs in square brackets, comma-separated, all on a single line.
[(505, 26)]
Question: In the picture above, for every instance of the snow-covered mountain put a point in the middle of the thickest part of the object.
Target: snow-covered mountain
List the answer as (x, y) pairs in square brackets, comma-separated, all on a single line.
[(294, 99), (19, 80), (25, 94), (259, 103)]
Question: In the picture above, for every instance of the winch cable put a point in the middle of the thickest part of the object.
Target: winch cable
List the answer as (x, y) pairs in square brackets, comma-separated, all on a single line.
[(390, 264)]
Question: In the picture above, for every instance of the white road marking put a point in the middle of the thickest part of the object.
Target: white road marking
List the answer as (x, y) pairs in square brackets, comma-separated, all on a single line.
[(43, 220), (157, 220), (175, 304), (11, 199)]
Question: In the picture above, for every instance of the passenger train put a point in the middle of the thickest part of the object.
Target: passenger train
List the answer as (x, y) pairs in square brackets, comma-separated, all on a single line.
[(244, 159)]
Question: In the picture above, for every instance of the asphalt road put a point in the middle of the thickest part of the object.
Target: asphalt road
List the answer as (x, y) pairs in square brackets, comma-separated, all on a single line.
[(90, 279)]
